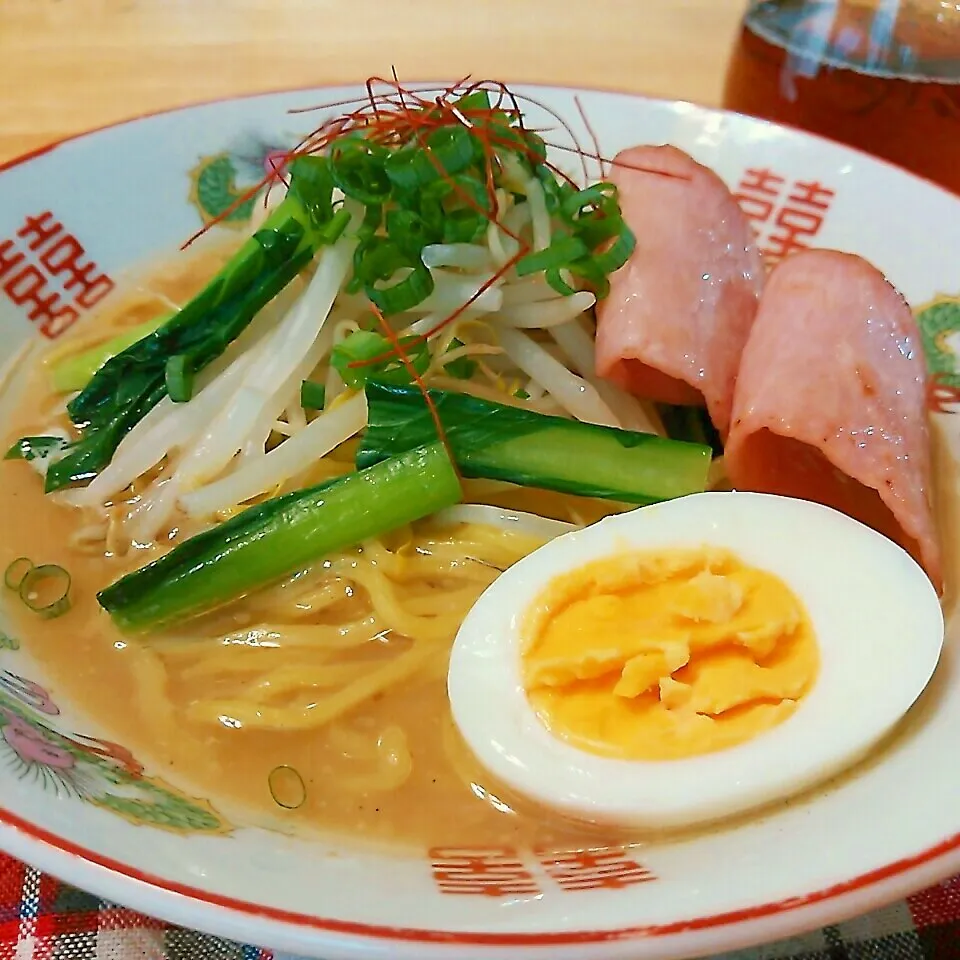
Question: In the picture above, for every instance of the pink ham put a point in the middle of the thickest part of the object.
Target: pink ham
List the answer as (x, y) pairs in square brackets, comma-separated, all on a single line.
[(830, 400), (679, 312)]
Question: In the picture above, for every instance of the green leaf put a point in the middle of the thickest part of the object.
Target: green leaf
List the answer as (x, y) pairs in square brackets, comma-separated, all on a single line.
[(364, 346), (36, 448), (217, 191), (312, 395), (75, 372), (133, 381)]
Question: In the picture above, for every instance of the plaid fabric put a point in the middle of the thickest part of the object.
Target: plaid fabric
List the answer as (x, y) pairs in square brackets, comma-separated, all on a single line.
[(43, 919)]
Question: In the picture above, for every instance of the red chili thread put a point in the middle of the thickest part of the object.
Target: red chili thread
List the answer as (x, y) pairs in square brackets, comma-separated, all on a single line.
[(590, 131), (404, 114)]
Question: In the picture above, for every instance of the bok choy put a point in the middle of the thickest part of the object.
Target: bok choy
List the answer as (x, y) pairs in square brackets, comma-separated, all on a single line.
[(500, 442), (280, 536), (128, 385)]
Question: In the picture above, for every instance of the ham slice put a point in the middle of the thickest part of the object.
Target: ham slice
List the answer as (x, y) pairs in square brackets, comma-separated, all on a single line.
[(679, 312), (830, 400)]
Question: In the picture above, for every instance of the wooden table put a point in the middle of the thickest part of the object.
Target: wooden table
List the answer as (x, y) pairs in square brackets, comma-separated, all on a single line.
[(70, 65)]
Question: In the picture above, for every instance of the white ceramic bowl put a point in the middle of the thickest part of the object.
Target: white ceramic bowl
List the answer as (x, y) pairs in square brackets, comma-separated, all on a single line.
[(138, 189)]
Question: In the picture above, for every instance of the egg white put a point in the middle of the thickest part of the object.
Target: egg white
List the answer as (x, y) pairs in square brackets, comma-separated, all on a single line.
[(877, 621)]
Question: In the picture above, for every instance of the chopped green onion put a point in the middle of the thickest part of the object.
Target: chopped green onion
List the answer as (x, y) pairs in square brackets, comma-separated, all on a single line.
[(331, 232), (600, 196), (597, 229), (617, 254), (595, 217), (179, 378), (595, 278), (475, 100), (361, 346), (410, 169), (286, 787), (405, 294), (464, 226), (537, 149), (46, 590), (443, 153), (372, 218), (470, 191), (555, 192), (35, 448), (378, 258), (410, 232), (561, 253), (312, 395), (430, 205), (557, 283), (509, 138), (357, 168), (364, 346), (14, 574), (453, 148)]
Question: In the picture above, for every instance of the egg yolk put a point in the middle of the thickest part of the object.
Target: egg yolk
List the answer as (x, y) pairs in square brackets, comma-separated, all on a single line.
[(660, 656)]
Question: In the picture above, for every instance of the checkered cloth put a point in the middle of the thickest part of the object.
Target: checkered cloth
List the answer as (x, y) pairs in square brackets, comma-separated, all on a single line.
[(43, 919)]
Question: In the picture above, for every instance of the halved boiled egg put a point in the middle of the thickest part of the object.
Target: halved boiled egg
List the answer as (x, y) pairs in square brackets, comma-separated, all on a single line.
[(693, 659)]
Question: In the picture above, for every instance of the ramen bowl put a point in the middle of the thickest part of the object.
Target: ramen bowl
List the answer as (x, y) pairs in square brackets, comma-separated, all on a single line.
[(89, 793)]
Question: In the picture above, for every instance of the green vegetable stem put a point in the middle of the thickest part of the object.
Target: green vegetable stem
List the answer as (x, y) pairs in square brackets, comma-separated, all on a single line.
[(128, 385), (282, 535), (501, 442)]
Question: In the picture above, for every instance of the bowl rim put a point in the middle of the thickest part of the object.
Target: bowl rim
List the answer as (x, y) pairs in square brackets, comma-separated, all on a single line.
[(183, 904), (894, 880)]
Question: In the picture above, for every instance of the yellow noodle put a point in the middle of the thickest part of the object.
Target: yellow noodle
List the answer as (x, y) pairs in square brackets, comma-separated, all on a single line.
[(442, 357), (312, 652), (475, 389), (237, 661), (390, 608), (411, 564), (320, 638), (447, 601), (298, 600), (389, 752), (222, 668), (321, 712)]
